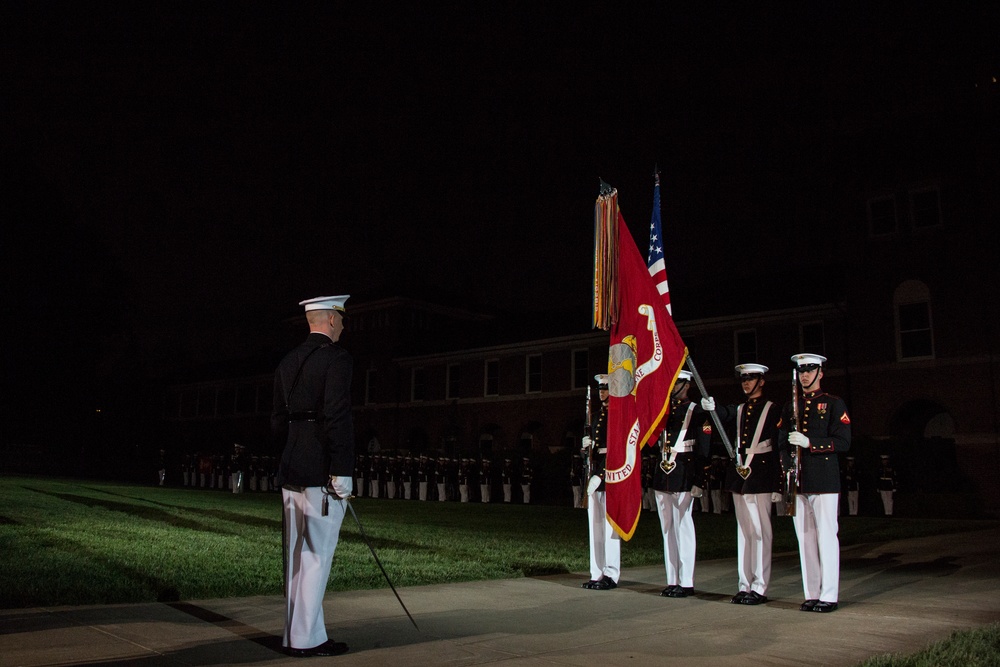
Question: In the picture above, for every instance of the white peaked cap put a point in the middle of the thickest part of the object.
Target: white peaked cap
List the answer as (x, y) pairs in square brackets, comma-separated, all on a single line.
[(805, 359), (326, 303)]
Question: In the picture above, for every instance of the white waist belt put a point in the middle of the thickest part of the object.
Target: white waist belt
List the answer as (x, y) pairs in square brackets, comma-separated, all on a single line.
[(684, 447), (761, 447)]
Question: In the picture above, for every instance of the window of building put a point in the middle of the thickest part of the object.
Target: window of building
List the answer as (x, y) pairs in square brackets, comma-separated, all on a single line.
[(454, 381), (925, 207), (492, 378), (418, 384), (914, 326), (581, 369), (745, 343), (533, 364), (812, 339), (371, 385), (882, 216)]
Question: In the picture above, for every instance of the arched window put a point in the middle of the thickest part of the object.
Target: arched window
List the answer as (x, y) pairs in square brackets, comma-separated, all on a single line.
[(914, 326)]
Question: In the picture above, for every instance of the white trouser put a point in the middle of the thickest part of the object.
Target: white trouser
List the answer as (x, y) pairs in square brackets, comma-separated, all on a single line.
[(605, 545), (311, 540), (236, 483), (506, 493), (359, 485), (373, 488), (390, 489), (526, 493), (441, 492), (886, 502), (484, 491), (679, 542), (819, 547), (463, 492), (852, 503), (717, 501), (423, 490), (753, 540), (577, 495)]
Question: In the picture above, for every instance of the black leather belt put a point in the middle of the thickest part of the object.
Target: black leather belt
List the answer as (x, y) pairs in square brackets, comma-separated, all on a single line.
[(307, 416)]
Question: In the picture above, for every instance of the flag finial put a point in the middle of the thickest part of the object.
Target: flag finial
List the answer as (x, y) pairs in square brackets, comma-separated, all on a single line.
[(605, 188), (656, 173)]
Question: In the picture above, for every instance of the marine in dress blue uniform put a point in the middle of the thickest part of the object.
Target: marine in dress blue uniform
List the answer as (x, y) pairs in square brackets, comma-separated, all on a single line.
[(312, 420), (754, 479), (684, 446), (824, 432), (605, 544)]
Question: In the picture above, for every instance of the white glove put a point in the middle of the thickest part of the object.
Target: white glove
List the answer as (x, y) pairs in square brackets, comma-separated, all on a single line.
[(697, 492), (708, 404), (798, 439), (587, 443), (776, 497), (595, 482), (341, 486)]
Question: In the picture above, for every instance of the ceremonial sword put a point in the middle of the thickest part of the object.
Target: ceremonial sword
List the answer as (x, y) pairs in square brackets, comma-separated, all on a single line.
[(347, 501)]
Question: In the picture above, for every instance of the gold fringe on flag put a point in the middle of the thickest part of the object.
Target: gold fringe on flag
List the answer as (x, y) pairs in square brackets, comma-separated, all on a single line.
[(606, 258)]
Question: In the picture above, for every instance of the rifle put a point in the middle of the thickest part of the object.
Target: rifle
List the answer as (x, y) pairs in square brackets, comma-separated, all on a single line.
[(792, 474), (588, 463)]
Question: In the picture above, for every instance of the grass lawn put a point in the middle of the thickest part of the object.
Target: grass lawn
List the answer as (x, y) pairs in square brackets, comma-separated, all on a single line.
[(71, 542)]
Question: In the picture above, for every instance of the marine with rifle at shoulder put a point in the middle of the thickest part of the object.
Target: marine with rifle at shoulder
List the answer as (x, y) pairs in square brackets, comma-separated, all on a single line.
[(821, 431), (605, 544)]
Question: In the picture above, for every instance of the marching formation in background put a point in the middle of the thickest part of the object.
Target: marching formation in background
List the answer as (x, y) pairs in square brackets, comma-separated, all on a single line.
[(785, 458)]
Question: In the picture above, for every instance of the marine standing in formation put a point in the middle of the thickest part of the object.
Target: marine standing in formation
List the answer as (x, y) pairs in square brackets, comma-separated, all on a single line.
[(605, 544), (684, 444), (852, 485), (823, 431), (754, 479), (886, 483), (312, 421)]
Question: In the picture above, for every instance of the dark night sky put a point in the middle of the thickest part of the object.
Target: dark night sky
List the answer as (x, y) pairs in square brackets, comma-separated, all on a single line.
[(224, 160)]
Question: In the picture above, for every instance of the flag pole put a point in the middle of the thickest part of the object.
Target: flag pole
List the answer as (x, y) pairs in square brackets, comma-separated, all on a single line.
[(715, 416)]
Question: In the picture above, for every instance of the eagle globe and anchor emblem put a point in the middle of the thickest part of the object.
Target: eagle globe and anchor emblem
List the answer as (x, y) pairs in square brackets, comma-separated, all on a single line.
[(624, 375)]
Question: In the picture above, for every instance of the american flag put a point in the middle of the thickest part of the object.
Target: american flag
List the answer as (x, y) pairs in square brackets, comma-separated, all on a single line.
[(654, 261)]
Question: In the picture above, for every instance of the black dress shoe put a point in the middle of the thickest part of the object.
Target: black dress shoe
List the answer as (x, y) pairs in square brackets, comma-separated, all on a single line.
[(604, 584), (753, 597), (824, 607), (326, 649), (666, 592), (589, 584), (808, 605), (681, 592), (738, 598)]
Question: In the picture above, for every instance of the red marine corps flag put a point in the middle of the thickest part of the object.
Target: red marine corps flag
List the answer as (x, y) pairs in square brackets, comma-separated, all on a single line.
[(645, 356)]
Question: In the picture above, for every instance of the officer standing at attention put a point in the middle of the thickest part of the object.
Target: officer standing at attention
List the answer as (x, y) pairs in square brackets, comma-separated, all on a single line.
[(754, 479), (886, 483), (684, 446), (312, 420), (852, 485), (605, 544), (823, 432)]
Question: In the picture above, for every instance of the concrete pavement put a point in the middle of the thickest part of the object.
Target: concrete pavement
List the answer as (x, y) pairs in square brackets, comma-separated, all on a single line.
[(895, 597)]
